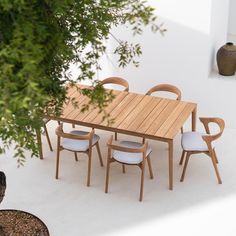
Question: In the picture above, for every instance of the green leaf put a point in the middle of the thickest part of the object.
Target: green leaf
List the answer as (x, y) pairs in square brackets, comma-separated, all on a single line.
[(39, 40)]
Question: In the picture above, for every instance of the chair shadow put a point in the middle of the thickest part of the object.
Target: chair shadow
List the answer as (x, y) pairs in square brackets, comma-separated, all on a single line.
[(68, 207)]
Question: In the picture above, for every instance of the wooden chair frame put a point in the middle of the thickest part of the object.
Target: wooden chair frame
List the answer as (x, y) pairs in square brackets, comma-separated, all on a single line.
[(110, 159), (119, 81), (116, 80), (165, 88), (46, 133), (60, 134), (208, 139)]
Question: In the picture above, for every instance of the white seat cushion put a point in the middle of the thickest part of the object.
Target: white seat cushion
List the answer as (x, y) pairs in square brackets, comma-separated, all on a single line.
[(78, 145), (127, 157), (193, 141)]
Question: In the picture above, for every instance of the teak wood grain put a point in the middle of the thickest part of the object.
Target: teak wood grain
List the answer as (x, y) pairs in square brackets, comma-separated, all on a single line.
[(171, 119), (121, 110), (119, 98), (162, 116), (135, 114), (136, 123)]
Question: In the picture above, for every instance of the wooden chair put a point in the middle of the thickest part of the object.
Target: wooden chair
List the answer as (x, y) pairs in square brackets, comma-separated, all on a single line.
[(195, 143), (129, 153), (77, 141), (45, 121), (118, 81), (166, 88)]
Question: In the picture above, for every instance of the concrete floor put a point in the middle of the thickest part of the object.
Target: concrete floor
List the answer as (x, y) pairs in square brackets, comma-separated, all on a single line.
[(198, 206)]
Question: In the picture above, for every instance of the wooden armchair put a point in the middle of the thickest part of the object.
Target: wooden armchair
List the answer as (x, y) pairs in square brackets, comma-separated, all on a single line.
[(117, 81), (45, 121), (78, 142), (165, 88), (129, 153), (195, 143)]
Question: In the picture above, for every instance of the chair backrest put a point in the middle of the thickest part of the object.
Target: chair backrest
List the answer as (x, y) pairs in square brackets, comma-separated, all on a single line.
[(115, 146), (61, 133), (211, 137), (116, 80), (165, 87)]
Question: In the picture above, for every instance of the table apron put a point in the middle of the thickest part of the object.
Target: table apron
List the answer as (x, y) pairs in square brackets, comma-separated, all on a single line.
[(111, 129)]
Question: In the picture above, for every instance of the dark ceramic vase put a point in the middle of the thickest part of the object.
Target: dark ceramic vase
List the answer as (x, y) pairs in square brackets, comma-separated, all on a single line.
[(226, 59), (2, 185)]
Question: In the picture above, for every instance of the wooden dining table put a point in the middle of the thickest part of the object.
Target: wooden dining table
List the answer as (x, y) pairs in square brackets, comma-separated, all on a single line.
[(134, 114)]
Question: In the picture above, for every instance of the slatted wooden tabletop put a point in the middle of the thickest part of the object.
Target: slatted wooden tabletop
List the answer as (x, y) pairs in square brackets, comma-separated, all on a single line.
[(134, 114)]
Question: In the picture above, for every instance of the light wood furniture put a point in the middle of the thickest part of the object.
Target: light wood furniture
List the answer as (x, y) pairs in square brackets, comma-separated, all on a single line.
[(195, 143), (116, 80), (129, 153), (136, 114), (77, 141), (119, 81), (39, 137), (45, 121), (166, 88)]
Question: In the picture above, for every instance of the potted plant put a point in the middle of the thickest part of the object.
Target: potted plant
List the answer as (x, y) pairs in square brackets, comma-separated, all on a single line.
[(2, 185)]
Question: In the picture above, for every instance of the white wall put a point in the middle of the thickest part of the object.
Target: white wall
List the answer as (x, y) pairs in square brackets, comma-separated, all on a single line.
[(232, 22), (219, 27), (185, 55), (104, 63), (190, 13)]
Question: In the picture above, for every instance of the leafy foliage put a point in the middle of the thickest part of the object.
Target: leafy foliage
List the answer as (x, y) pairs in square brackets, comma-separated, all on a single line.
[(39, 39)]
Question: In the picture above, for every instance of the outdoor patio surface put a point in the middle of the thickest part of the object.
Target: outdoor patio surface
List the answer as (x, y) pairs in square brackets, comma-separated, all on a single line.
[(198, 206)]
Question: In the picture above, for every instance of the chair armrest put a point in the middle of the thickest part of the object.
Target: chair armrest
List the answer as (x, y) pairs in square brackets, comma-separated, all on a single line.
[(211, 137)]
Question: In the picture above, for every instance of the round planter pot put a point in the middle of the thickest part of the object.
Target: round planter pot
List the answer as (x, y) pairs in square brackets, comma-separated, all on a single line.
[(226, 59), (2, 185)]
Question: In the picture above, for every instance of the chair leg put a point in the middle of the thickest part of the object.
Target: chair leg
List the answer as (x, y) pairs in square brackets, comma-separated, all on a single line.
[(185, 166), (123, 168), (39, 141), (216, 170), (89, 167), (58, 156), (150, 167), (107, 175), (143, 140), (142, 181), (76, 157), (73, 125), (116, 136), (182, 130), (99, 153), (47, 136), (214, 152), (182, 158)]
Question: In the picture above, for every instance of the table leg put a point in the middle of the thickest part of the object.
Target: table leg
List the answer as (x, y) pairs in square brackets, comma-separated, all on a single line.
[(194, 119), (170, 150), (39, 140)]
